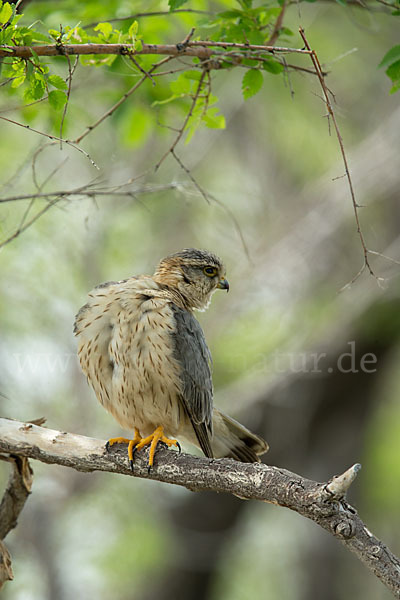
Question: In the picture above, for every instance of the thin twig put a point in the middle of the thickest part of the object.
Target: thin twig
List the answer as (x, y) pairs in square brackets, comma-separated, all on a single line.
[(278, 26), (331, 113), (185, 122), (138, 66), (262, 47), (208, 197), (52, 137), (189, 174), (236, 224), (159, 13), (20, 230), (71, 71), (125, 96), (389, 4), (385, 256), (89, 191)]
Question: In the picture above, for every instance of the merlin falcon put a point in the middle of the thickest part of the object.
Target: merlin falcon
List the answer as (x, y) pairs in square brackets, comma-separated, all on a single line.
[(146, 358)]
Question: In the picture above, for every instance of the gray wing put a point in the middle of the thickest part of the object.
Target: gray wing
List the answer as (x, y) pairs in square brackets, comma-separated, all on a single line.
[(193, 355)]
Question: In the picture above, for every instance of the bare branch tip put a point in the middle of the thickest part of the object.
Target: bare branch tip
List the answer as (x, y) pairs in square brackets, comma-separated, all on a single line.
[(339, 484)]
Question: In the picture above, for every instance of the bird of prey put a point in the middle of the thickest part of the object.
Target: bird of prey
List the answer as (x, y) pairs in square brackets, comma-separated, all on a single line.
[(146, 358)]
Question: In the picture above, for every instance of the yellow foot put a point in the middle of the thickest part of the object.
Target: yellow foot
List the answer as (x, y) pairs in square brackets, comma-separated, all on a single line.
[(152, 441), (131, 443), (137, 443)]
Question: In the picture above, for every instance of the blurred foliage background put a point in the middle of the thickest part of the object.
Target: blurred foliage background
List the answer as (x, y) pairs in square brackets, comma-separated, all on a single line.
[(276, 173)]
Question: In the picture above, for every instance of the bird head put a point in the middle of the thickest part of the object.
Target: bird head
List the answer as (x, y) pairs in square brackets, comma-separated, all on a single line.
[(194, 274)]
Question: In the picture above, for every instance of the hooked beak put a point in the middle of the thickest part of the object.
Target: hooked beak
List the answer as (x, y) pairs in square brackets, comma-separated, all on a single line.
[(223, 284)]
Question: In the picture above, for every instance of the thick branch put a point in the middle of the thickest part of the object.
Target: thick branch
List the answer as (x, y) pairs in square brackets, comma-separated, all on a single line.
[(17, 491), (202, 50), (322, 503), (13, 501)]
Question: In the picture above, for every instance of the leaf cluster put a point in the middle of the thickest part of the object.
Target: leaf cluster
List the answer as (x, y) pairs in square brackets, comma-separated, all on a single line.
[(37, 79)]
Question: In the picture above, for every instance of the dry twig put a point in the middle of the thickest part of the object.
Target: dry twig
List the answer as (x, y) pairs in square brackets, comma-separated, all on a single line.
[(185, 122), (356, 206), (125, 96)]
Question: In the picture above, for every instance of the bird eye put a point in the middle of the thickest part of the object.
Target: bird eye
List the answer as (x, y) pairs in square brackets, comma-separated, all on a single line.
[(210, 271)]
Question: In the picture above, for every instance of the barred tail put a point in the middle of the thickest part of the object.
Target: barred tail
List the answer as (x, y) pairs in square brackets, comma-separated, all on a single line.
[(233, 440)]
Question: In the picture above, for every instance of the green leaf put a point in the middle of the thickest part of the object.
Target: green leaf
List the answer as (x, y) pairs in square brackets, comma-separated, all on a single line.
[(18, 81), (54, 34), (391, 56), (6, 35), (5, 13), (174, 4), (273, 66), (36, 88), (395, 88), (104, 28), (138, 45), (394, 71), (57, 99), (252, 83), (180, 86), (195, 75), (133, 29), (191, 128), (39, 37), (58, 82), (35, 57), (213, 120)]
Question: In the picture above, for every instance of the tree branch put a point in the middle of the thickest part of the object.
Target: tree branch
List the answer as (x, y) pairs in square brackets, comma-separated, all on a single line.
[(323, 503), (13, 501), (200, 49), (17, 491)]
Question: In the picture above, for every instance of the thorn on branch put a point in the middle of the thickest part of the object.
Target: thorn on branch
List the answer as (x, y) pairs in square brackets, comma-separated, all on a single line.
[(339, 484)]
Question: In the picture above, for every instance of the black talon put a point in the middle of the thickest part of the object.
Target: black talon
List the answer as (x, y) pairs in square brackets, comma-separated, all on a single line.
[(133, 456), (108, 446), (179, 447), (148, 469)]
